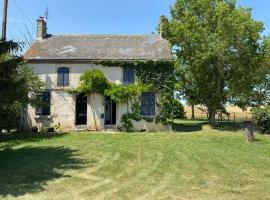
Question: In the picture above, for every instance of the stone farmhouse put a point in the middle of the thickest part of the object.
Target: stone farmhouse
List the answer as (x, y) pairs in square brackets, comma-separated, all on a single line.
[(59, 61)]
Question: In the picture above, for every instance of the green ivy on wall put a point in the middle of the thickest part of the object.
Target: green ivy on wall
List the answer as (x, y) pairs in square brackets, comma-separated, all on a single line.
[(157, 76)]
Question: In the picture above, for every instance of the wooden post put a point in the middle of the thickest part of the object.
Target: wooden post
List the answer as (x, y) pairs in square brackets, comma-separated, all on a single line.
[(249, 127), (4, 22)]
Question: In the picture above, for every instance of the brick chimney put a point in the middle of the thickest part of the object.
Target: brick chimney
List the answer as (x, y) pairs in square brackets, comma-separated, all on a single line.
[(41, 28)]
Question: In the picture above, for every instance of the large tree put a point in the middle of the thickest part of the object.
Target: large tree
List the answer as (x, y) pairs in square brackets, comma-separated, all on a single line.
[(18, 85), (217, 45)]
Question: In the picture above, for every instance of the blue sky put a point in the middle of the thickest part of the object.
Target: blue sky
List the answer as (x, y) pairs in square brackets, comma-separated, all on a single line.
[(102, 16)]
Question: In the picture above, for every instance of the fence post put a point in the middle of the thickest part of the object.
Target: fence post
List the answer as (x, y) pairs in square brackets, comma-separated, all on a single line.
[(249, 126)]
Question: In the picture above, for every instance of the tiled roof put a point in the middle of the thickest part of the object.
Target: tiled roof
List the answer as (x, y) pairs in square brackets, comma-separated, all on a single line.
[(100, 47)]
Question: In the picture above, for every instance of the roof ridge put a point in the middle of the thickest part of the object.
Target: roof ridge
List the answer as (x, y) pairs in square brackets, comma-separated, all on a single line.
[(146, 34)]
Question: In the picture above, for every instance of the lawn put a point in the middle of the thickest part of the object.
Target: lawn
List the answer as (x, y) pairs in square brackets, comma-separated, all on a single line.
[(194, 163)]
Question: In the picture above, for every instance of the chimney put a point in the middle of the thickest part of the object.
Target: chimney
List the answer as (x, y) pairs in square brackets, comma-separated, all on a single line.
[(41, 28)]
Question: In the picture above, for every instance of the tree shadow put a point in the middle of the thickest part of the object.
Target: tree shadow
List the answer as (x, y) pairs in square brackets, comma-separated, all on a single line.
[(232, 127), (188, 127), (28, 169), (10, 140)]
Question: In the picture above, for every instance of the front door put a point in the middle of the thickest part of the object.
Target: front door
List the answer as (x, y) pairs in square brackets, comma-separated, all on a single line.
[(110, 111), (81, 109)]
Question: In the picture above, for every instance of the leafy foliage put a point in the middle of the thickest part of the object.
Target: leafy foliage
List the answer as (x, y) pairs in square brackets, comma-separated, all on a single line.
[(93, 81), (164, 27), (126, 120), (18, 86), (262, 117), (169, 109), (157, 76), (218, 45), (125, 93)]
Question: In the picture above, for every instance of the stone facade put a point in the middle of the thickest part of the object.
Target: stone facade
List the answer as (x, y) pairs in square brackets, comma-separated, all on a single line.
[(63, 104)]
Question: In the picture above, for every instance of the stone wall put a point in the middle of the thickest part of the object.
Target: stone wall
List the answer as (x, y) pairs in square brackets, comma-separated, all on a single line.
[(63, 104)]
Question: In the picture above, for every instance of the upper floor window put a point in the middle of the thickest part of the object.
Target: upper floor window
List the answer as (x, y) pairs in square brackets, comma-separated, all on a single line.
[(148, 103), (45, 108), (63, 76), (128, 76)]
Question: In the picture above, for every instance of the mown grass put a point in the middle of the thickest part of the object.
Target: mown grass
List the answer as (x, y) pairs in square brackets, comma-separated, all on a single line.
[(204, 163)]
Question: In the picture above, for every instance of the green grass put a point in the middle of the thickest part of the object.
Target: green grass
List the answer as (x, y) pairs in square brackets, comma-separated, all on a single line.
[(201, 164)]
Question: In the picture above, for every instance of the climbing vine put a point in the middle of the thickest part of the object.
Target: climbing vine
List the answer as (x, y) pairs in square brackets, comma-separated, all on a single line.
[(156, 76)]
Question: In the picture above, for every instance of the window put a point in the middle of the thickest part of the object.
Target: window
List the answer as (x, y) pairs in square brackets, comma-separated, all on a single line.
[(128, 76), (148, 101), (45, 108), (63, 76)]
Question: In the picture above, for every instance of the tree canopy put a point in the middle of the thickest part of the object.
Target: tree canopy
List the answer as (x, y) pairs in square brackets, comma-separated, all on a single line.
[(218, 49), (18, 85)]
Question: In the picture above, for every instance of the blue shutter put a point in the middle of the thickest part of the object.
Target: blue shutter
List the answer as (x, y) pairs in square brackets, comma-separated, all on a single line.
[(45, 108), (125, 76), (152, 103), (59, 78), (66, 78), (128, 76), (148, 103), (63, 76), (131, 76)]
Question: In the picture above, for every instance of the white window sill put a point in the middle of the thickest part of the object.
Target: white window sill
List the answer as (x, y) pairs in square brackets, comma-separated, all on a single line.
[(43, 117)]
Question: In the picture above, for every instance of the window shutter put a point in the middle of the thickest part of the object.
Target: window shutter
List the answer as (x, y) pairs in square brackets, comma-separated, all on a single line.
[(59, 79), (46, 108), (148, 103), (66, 79), (131, 75), (128, 76), (63, 76)]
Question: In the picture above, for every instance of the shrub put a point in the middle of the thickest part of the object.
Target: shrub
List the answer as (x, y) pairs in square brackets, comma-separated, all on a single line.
[(178, 109), (169, 109), (262, 118), (126, 120), (93, 81), (34, 129)]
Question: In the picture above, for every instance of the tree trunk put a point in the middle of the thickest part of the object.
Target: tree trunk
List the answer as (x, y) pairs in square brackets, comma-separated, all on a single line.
[(212, 117), (192, 112), (94, 114)]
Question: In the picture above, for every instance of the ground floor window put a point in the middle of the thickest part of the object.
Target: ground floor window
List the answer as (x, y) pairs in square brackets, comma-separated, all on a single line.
[(148, 103), (45, 108)]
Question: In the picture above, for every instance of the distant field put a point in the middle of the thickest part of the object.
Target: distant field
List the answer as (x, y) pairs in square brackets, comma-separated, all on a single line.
[(233, 110)]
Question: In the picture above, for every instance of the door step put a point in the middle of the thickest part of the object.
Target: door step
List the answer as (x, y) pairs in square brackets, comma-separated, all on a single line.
[(110, 128), (81, 128)]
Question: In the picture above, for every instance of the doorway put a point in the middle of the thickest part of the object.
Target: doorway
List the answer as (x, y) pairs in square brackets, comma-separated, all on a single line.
[(81, 109), (110, 111)]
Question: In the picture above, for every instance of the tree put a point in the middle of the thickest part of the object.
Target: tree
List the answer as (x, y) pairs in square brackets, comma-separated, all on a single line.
[(18, 85), (259, 92), (217, 44)]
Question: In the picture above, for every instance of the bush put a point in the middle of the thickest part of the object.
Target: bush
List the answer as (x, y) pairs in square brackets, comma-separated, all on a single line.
[(262, 118), (126, 120), (34, 129), (178, 109), (93, 81)]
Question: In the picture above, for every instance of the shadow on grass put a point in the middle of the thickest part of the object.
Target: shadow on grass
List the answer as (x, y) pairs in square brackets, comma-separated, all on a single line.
[(233, 127), (187, 126), (14, 139), (28, 169)]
